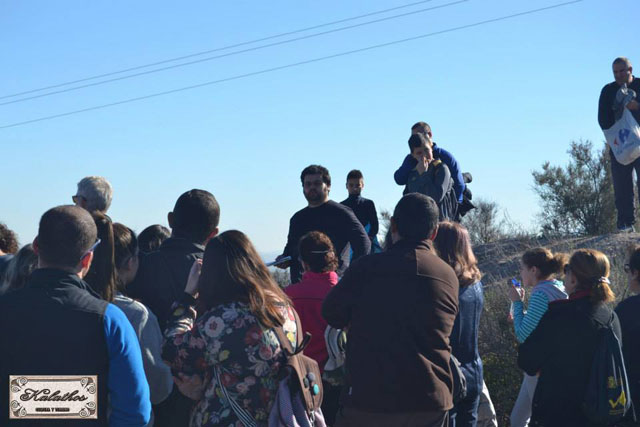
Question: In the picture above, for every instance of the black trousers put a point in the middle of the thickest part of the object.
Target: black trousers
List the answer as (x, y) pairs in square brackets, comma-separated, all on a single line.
[(622, 177)]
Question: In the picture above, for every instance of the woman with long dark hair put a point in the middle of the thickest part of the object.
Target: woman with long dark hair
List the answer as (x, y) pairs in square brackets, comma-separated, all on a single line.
[(454, 246), (102, 274), (560, 350), (144, 322), (228, 331)]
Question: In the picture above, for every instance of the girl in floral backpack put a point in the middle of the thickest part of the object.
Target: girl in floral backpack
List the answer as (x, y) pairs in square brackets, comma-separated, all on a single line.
[(226, 321)]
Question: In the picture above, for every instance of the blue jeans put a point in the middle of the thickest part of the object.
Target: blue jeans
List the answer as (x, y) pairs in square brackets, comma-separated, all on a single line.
[(465, 412), (622, 177)]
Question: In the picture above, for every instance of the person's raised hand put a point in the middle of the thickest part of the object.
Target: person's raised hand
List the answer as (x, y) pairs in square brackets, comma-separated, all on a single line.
[(516, 293), (633, 105), (194, 277), (423, 165)]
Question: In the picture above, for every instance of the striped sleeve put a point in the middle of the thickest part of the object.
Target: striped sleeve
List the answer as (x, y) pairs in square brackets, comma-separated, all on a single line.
[(523, 323)]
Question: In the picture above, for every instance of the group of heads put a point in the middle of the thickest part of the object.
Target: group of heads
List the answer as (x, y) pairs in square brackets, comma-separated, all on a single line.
[(316, 184), (585, 270), (87, 243)]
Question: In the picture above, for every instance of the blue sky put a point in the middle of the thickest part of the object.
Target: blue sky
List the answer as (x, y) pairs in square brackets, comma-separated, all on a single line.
[(502, 97)]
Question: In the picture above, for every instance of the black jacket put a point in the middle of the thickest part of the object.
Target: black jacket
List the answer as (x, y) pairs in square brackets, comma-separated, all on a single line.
[(57, 325), (400, 307), (336, 221), (606, 114), (163, 274), (561, 349), (628, 312)]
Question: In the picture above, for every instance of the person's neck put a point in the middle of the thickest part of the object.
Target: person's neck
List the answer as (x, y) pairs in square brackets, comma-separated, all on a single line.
[(315, 205), (57, 267)]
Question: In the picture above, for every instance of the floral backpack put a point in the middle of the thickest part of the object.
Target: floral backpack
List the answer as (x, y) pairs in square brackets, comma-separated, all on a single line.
[(299, 393)]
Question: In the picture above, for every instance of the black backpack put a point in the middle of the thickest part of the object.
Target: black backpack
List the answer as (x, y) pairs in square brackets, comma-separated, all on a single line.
[(607, 398)]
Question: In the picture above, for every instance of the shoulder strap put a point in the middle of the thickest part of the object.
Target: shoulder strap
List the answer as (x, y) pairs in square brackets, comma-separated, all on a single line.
[(244, 416), (302, 339)]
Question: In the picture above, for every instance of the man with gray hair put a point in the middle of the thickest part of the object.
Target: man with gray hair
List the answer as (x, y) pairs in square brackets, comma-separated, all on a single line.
[(614, 98), (94, 194)]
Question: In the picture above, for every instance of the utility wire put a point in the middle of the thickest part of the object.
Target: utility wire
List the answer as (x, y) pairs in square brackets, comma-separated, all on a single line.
[(289, 33), (197, 61), (296, 64)]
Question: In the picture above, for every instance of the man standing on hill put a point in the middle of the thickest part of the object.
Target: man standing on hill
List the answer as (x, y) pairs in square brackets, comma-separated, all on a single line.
[(610, 109), (333, 219), (399, 307)]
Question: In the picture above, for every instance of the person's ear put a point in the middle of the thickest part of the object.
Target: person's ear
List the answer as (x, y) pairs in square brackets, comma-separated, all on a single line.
[(170, 219), (85, 264), (434, 234), (213, 234)]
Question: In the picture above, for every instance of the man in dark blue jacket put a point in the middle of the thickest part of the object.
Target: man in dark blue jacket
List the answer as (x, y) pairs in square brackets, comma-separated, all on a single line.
[(57, 326), (402, 174)]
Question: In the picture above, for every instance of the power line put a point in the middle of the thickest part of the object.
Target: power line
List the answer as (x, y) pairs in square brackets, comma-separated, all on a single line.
[(296, 64), (170, 67), (289, 33)]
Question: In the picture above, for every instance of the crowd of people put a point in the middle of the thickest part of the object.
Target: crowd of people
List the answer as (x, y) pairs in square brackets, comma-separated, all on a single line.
[(186, 326)]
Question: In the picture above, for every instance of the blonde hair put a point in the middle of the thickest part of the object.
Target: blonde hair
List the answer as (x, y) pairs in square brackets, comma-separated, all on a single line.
[(591, 269)]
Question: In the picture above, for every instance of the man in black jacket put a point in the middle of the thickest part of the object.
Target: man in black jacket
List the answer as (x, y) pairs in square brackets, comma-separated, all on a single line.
[(163, 274), (610, 109), (333, 219)]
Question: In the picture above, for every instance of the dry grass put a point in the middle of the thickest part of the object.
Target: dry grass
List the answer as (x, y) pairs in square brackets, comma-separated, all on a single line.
[(499, 261)]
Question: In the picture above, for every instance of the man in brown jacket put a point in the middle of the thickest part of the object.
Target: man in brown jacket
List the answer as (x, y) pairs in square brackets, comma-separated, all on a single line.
[(399, 307)]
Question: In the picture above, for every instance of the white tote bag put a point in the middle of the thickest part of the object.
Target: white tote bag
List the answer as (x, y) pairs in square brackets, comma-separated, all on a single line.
[(624, 138)]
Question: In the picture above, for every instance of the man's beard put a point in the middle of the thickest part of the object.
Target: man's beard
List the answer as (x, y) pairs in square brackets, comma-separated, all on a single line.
[(314, 196)]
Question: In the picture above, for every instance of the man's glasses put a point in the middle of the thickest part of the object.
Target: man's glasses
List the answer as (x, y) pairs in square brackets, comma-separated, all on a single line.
[(92, 248)]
